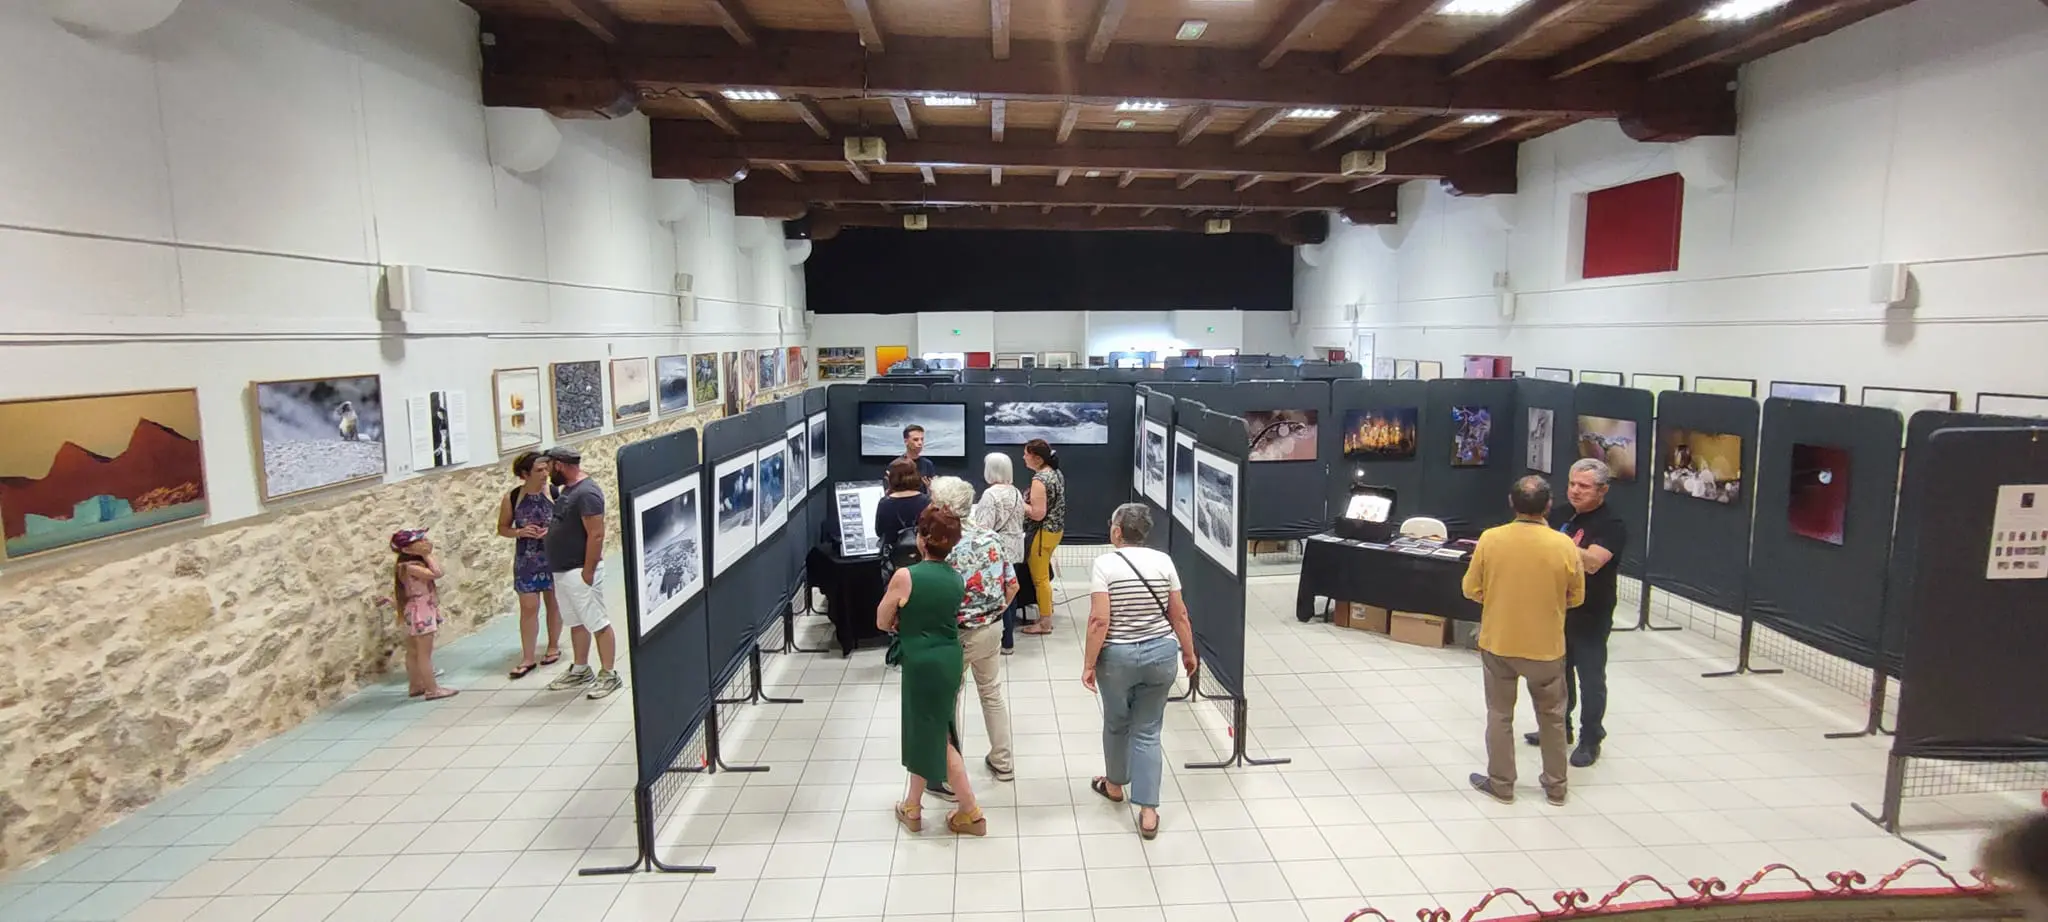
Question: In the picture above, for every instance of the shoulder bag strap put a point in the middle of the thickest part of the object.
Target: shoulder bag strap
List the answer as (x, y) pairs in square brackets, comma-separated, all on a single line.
[(1142, 581)]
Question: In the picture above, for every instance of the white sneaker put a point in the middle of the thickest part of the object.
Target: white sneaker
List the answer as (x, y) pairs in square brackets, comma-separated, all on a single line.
[(605, 683), (575, 677)]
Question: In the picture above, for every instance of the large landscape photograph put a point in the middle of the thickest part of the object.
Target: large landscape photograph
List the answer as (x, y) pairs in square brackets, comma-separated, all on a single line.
[(1184, 479), (319, 432), (735, 522), (76, 469), (632, 391), (670, 558), (771, 471), (882, 424), (1216, 509), (578, 398), (1058, 422)]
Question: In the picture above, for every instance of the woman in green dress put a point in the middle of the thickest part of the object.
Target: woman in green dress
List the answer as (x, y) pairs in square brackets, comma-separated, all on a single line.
[(922, 606)]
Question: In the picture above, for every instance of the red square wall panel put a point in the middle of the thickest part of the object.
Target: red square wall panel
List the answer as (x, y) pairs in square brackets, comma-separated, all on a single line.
[(1633, 229)]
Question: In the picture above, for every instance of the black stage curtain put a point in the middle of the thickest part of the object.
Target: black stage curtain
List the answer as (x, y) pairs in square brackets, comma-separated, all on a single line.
[(672, 670), (1630, 499), (1699, 548)]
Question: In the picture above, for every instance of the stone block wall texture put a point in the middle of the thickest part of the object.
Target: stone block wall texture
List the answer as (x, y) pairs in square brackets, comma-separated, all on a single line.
[(134, 673)]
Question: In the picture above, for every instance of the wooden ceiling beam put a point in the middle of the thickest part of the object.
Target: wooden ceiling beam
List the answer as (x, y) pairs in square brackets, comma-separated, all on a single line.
[(768, 194), (1258, 124), (998, 111), (865, 24), (1066, 173), (926, 172), (1390, 26), (1343, 126), (1188, 180), (1621, 38), (1196, 122), (790, 172), (1306, 183), (1070, 114), (1503, 130), (1147, 219), (1364, 184), (814, 116), (734, 19), (1521, 25), (999, 29), (1247, 181), (1416, 133), (595, 17), (904, 119), (859, 173), (1294, 25), (717, 113), (1773, 31), (1107, 18), (1124, 181)]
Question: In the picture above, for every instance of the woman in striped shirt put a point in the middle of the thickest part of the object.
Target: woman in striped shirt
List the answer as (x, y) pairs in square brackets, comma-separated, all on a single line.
[(1137, 629)]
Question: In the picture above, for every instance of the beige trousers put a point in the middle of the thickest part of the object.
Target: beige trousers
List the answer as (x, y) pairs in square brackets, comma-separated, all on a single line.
[(982, 648), (1547, 690)]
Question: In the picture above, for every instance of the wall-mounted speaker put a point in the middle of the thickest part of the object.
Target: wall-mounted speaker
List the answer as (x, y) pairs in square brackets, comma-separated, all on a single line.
[(1889, 284), (404, 289)]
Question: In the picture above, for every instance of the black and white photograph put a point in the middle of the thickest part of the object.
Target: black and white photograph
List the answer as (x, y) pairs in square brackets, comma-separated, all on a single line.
[(1057, 422), (319, 432), (799, 463), (1155, 463), (771, 468), (1184, 479), (818, 466), (882, 425), (672, 382), (1216, 509), (1138, 446), (440, 429), (1540, 422), (670, 555), (735, 535), (578, 398)]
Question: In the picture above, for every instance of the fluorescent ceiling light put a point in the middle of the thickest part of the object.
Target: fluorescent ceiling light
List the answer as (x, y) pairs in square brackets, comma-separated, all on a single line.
[(1141, 105), (751, 95), (1738, 10), (951, 102), (1479, 7), (1312, 113), (1480, 118), (1191, 29)]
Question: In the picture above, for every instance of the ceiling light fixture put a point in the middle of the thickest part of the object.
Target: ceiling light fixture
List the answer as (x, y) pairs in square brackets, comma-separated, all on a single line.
[(1191, 29), (751, 95), (1479, 7), (1480, 118), (1141, 105), (1312, 113), (951, 102), (1738, 10)]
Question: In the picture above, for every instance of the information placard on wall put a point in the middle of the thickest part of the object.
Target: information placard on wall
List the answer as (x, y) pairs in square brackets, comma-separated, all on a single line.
[(2019, 533), (440, 429)]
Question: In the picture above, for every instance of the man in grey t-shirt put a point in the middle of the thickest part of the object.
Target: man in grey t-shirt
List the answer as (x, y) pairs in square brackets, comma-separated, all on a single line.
[(575, 549)]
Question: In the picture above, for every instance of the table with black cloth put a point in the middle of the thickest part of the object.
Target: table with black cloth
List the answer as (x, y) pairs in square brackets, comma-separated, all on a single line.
[(852, 587), (1386, 578)]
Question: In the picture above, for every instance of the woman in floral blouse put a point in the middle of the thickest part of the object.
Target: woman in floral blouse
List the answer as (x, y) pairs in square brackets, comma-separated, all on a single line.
[(991, 583)]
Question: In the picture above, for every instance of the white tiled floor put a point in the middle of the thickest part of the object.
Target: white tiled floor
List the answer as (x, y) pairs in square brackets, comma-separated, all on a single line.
[(484, 806)]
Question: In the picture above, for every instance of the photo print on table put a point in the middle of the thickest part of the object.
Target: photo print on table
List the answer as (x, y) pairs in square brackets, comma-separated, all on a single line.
[(1216, 509), (1471, 436), (1184, 479), (578, 398), (78, 469), (1540, 425), (1703, 465), (1281, 435), (734, 479), (818, 456), (319, 432), (882, 425), (515, 394), (704, 379), (1612, 441), (771, 487), (1155, 463), (842, 363), (672, 383), (632, 390), (670, 557), (1386, 434), (1014, 422), (1819, 503)]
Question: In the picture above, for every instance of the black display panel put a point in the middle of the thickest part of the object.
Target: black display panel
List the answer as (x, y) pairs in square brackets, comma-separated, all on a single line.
[(1699, 544)]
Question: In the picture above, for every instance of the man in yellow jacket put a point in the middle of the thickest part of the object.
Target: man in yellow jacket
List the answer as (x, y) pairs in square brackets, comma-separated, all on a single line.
[(1524, 575)]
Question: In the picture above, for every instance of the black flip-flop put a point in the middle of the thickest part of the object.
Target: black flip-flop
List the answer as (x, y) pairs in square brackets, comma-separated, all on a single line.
[(551, 659), (1101, 787), (523, 670)]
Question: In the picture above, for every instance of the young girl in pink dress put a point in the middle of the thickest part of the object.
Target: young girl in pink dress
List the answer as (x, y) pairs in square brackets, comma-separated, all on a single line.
[(419, 609)]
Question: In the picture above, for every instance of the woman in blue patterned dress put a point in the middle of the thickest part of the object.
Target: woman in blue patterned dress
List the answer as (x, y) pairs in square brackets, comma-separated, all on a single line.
[(523, 516)]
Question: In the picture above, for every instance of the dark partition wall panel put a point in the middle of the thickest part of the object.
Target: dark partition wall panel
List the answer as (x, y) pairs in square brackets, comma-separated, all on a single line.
[(750, 591), (1269, 373), (1214, 374), (672, 690), (1469, 497), (1337, 371), (1899, 574), (1064, 376), (1376, 409), (842, 427), (1159, 410), (1826, 488), (1699, 548), (1127, 375), (1629, 498), (1976, 647), (1283, 499), (1215, 594), (1098, 476)]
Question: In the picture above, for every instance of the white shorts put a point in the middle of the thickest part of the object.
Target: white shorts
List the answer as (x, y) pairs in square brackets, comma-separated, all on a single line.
[(582, 606)]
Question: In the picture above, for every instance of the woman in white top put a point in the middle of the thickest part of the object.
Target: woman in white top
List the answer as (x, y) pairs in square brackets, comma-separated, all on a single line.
[(1137, 629), (1001, 510)]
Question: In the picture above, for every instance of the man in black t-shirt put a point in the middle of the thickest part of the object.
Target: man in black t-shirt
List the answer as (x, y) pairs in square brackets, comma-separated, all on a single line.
[(913, 451), (1601, 538)]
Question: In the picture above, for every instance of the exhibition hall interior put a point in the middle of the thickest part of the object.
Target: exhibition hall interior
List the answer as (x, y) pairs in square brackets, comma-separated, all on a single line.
[(503, 460)]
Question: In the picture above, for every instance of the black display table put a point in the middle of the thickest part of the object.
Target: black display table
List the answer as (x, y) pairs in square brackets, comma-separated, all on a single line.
[(1386, 578), (852, 588)]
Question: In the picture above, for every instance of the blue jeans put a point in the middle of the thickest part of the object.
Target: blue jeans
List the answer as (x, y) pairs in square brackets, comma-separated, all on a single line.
[(1585, 657), (1134, 680), (1010, 616)]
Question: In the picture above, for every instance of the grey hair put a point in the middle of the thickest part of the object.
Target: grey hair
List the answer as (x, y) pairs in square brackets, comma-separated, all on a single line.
[(1599, 469), (953, 495), (996, 468), (1134, 520)]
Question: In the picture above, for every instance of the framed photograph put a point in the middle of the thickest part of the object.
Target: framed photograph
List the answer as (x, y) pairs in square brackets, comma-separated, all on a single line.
[(1183, 492), (842, 363), (1058, 423), (1011, 359), (771, 488), (1610, 378), (1703, 465), (515, 396), (2013, 405), (1382, 368), (1404, 370), (1380, 435), (770, 374), (798, 442), (1281, 435), (1801, 390), (1471, 435), (1060, 360), (74, 470), (1657, 384), (578, 398), (440, 429), (669, 558), (316, 433), (1819, 503), (1727, 387), (882, 425), (672, 383), (793, 365), (1540, 421), (1908, 401), (1155, 463), (1612, 441), (1098, 361), (1216, 509), (734, 481), (733, 401), (1138, 445), (1428, 370), (632, 390), (1553, 374), (818, 460), (704, 379)]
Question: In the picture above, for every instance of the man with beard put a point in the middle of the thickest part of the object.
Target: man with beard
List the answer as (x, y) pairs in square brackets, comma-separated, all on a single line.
[(575, 548), (1601, 537)]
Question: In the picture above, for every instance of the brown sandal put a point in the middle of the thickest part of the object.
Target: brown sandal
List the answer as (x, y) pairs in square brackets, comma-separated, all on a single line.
[(911, 818), (960, 826), (1101, 787)]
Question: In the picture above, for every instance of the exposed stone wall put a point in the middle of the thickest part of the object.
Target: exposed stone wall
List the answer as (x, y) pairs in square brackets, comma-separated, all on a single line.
[(131, 675)]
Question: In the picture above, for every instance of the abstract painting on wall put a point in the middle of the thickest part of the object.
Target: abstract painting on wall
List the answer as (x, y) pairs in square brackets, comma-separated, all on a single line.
[(516, 394), (1281, 435), (770, 375), (1726, 387), (632, 389), (77, 469), (319, 432), (578, 398), (672, 382)]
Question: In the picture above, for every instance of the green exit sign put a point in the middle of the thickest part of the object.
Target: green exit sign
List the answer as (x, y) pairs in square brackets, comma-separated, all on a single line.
[(1212, 329)]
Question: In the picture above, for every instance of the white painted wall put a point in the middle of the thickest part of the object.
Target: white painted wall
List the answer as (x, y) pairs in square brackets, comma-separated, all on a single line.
[(210, 203), (956, 331), (1905, 138)]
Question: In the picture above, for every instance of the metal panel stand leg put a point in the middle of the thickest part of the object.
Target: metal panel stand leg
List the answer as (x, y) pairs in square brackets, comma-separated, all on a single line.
[(789, 616), (1874, 721), (714, 756), (643, 825), (1894, 792), (1238, 731), (754, 693), (1742, 656), (1643, 611)]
